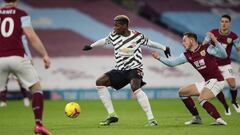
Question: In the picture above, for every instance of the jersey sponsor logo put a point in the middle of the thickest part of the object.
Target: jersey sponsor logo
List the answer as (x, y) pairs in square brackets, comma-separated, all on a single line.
[(200, 64)]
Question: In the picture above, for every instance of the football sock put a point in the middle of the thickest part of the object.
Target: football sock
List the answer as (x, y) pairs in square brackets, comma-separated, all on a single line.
[(189, 103), (144, 103), (222, 99), (233, 95), (37, 106), (105, 98), (210, 109), (3, 95)]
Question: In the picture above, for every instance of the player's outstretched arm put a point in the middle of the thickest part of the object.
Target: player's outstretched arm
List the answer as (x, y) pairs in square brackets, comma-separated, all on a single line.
[(170, 62), (218, 50), (166, 49), (101, 42), (37, 44)]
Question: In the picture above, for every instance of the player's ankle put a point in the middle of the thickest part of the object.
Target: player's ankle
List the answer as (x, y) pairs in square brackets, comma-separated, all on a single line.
[(113, 114)]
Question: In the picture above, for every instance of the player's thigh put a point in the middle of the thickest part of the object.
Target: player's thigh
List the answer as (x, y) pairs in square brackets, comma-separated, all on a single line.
[(206, 94), (211, 89), (103, 81), (4, 72), (228, 74), (25, 72), (135, 83), (190, 90), (3, 79), (135, 78)]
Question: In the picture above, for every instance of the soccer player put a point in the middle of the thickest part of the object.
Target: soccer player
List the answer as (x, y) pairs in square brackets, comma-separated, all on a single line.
[(128, 67), (3, 94), (14, 23), (228, 39), (202, 58)]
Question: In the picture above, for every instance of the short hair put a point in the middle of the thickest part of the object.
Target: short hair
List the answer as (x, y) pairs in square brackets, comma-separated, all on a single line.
[(191, 35), (9, 1), (227, 16), (122, 19)]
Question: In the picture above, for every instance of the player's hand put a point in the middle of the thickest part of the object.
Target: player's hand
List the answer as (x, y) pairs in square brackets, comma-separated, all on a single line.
[(167, 52), (46, 61), (212, 36), (156, 55), (86, 48)]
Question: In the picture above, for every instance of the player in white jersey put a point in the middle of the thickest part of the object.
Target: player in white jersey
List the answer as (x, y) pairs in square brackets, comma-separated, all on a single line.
[(24, 92), (128, 67)]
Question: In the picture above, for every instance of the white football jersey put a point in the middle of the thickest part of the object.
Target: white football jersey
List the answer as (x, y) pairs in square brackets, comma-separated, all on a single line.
[(127, 50)]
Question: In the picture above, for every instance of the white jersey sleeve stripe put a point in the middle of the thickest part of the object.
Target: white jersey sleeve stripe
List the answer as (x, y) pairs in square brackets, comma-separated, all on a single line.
[(26, 21)]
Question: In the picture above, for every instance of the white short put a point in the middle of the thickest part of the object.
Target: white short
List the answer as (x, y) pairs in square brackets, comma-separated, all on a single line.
[(21, 68), (213, 84), (227, 71)]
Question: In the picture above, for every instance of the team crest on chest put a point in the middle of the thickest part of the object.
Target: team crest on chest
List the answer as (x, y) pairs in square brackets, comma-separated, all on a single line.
[(229, 40), (203, 53)]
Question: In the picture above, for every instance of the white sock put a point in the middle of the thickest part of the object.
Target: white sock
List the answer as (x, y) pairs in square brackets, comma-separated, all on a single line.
[(106, 98), (144, 103)]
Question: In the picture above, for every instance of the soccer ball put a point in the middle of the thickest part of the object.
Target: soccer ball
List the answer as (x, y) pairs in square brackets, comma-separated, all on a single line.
[(72, 110)]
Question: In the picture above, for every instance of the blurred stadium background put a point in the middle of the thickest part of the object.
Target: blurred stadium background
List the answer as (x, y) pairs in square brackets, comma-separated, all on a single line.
[(65, 26)]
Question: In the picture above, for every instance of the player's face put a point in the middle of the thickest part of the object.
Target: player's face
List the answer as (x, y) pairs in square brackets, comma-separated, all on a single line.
[(224, 24), (187, 43), (119, 28)]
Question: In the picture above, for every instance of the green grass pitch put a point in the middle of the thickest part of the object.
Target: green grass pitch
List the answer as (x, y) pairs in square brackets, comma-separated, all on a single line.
[(170, 113)]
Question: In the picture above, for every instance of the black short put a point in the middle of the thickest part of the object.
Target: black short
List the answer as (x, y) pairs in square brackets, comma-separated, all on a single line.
[(120, 78)]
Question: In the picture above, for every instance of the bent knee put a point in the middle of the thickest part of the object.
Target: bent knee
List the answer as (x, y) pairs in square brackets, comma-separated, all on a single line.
[(134, 88), (233, 86), (202, 98), (103, 82), (181, 92), (98, 82), (36, 87)]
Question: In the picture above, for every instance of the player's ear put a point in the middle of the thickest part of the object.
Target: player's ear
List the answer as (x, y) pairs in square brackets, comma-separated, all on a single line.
[(191, 40)]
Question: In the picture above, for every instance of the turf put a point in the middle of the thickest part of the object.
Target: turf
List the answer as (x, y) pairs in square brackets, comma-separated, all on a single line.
[(170, 113)]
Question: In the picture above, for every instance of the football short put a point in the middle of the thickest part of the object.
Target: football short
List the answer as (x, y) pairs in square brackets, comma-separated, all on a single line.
[(19, 67), (227, 71), (120, 78), (213, 84)]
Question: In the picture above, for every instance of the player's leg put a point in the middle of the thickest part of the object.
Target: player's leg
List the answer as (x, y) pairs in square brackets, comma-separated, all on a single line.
[(37, 102), (37, 106), (24, 92), (222, 99), (185, 94), (3, 84), (233, 93), (225, 70), (143, 101), (3, 98), (211, 89), (101, 85), (29, 78)]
